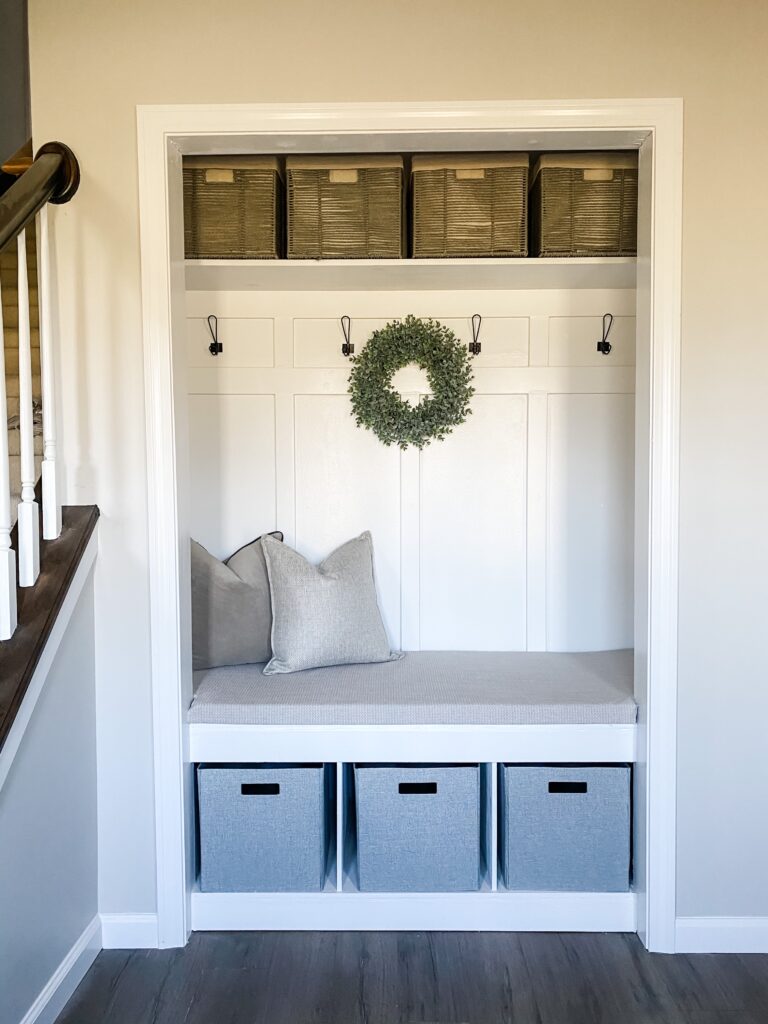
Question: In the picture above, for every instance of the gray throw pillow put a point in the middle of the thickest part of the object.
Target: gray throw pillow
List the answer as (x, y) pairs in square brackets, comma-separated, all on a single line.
[(325, 614), (231, 607)]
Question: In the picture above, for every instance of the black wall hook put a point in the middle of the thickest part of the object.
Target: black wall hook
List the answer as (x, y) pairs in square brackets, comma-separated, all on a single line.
[(347, 349), (474, 345), (604, 345), (213, 326)]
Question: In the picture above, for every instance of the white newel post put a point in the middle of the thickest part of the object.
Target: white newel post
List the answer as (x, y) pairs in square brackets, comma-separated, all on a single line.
[(51, 498), (7, 554), (29, 516)]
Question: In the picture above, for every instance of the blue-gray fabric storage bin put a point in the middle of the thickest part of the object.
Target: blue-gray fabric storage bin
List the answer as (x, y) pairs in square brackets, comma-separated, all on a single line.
[(565, 827), (418, 827), (263, 828)]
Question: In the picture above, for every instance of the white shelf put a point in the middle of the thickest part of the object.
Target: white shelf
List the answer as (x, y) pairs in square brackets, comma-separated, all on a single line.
[(410, 274)]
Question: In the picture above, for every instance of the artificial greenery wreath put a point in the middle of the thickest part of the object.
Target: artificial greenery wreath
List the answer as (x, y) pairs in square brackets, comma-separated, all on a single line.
[(378, 407)]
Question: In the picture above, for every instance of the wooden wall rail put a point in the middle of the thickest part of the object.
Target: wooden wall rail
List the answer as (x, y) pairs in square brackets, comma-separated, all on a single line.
[(53, 176)]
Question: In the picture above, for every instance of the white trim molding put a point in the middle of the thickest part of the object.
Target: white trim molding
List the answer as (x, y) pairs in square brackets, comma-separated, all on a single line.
[(389, 911), (129, 931), (60, 987), (721, 935), (349, 743), (652, 126)]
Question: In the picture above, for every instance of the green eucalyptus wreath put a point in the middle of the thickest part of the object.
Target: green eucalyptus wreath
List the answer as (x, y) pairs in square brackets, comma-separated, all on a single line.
[(378, 407)]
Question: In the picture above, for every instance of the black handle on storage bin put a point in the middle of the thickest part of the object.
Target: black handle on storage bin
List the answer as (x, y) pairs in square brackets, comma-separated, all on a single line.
[(260, 789), (567, 787), (421, 788)]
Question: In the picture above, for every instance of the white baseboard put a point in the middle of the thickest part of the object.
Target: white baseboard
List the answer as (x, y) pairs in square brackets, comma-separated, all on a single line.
[(129, 931), (721, 935), (388, 911), (67, 976)]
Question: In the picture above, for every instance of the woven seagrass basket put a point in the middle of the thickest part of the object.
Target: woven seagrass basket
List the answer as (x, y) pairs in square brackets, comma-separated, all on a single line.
[(233, 207), (470, 204), (584, 204), (345, 207)]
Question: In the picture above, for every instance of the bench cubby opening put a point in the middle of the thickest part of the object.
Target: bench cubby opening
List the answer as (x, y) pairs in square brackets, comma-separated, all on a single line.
[(565, 827), (485, 810), (266, 827)]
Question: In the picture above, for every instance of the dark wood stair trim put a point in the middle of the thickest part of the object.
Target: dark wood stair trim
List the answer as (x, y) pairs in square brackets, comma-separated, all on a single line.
[(39, 607)]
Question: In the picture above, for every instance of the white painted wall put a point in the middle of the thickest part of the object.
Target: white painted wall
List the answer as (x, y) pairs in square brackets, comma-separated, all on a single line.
[(708, 52), (48, 835), (456, 529)]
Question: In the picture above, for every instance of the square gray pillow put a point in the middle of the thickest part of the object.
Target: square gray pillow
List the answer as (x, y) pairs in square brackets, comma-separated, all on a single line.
[(325, 614), (231, 607)]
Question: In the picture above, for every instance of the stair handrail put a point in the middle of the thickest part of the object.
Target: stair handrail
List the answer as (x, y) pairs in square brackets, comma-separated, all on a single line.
[(53, 177)]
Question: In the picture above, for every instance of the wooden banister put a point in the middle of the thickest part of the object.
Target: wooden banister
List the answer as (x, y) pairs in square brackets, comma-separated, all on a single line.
[(53, 177)]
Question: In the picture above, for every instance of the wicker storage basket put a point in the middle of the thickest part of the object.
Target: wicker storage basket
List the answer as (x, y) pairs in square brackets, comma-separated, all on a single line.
[(345, 207), (470, 204), (584, 204), (233, 207)]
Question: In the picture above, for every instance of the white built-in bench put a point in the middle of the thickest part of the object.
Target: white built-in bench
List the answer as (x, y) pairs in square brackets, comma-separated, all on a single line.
[(430, 705)]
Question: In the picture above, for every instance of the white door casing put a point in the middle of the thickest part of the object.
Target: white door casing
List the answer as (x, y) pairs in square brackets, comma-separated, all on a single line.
[(654, 127)]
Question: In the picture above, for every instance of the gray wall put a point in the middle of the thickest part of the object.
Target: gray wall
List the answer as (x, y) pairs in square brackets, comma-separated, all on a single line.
[(14, 77), (48, 836)]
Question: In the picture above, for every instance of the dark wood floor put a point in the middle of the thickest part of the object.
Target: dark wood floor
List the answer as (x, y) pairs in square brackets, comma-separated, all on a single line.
[(399, 978)]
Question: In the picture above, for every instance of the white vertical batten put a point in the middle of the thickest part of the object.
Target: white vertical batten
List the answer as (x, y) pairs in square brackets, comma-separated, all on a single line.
[(7, 554), (29, 517), (51, 500)]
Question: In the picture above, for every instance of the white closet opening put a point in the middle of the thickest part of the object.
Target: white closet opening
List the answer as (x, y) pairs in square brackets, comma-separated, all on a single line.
[(531, 528)]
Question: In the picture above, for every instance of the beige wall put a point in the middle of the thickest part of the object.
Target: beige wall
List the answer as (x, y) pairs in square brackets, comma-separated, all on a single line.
[(94, 60)]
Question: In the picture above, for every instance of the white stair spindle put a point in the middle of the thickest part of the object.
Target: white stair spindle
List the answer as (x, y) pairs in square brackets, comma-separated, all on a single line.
[(51, 498), (7, 554), (29, 515)]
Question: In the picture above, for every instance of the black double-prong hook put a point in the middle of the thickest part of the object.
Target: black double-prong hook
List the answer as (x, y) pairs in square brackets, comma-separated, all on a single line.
[(474, 345), (213, 326), (604, 346), (347, 348)]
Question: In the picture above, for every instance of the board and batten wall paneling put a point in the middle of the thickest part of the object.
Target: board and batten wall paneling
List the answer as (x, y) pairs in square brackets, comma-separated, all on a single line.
[(232, 455), (514, 533), (246, 341), (573, 341), (473, 548), (317, 341), (347, 482), (503, 339), (590, 501)]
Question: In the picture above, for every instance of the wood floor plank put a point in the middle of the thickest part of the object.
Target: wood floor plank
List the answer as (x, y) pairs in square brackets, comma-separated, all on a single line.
[(87, 1003), (418, 978)]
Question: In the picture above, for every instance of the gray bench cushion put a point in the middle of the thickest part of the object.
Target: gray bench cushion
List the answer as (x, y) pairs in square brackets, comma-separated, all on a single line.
[(427, 687)]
